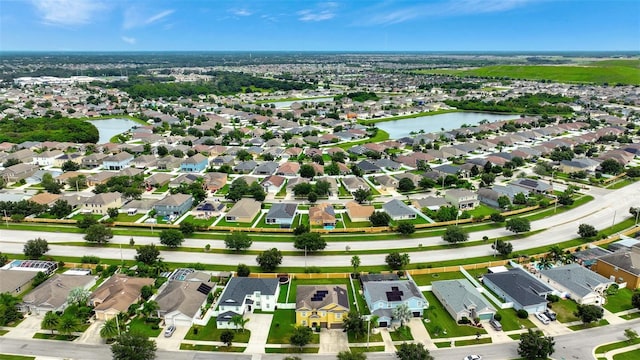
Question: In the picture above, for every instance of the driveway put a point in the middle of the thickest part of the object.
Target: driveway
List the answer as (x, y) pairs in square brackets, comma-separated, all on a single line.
[(419, 333), (27, 328), (332, 341), (259, 325), (554, 328), (92, 334), (172, 343)]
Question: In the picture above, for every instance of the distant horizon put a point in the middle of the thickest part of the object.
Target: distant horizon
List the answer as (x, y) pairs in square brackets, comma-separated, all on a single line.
[(628, 53), (442, 26)]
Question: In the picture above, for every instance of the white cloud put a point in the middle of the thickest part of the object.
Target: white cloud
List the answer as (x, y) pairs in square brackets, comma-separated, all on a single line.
[(322, 12), (444, 9), (129, 40), (134, 17), (241, 12), (68, 12)]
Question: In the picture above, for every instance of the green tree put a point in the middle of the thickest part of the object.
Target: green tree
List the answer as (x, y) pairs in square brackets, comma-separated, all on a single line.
[(67, 325), (307, 171), (146, 292), (49, 184), (34, 249), (3, 259), (86, 221), (589, 313), (347, 355), (497, 217), (362, 195), (239, 321), (635, 300), (406, 228), (310, 242), (269, 260), (8, 309), (187, 228), (39, 279), (238, 241), (587, 230), (402, 313), (300, 336), (133, 345), (534, 345), (69, 166), (518, 225), (112, 212), (380, 218), (611, 166), (312, 197), (60, 209), (171, 238), (412, 351), (406, 184), (454, 234), (98, 234), (397, 261), (78, 296), (227, 337), (243, 270), (149, 308), (355, 263), (147, 254), (354, 324), (503, 248), (50, 321), (504, 202)]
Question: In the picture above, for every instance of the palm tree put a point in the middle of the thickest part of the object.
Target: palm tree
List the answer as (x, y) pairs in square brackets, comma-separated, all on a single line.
[(556, 252), (355, 262), (402, 313), (109, 329), (239, 320), (50, 321), (149, 308), (544, 263), (67, 325)]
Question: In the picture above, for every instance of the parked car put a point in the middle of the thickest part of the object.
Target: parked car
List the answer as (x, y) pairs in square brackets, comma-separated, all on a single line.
[(496, 324), (543, 319), (473, 357), (550, 314), (169, 331)]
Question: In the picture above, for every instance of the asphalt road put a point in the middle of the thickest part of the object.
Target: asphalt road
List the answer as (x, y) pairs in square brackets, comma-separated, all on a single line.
[(608, 207)]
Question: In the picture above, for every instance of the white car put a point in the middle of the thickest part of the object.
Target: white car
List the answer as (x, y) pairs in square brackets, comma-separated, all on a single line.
[(169, 331), (543, 318), (473, 357)]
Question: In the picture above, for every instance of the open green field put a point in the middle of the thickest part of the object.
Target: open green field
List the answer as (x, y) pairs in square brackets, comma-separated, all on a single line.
[(609, 71)]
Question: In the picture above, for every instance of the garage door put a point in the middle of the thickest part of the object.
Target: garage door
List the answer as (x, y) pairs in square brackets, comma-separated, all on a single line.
[(416, 314), (383, 324), (486, 316), (178, 322)]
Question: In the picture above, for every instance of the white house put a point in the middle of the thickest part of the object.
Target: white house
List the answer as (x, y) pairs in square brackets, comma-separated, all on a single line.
[(242, 295), (578, 283)]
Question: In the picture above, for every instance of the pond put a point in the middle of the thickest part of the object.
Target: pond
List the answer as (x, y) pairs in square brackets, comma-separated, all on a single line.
[(109, 128), (435, 123)]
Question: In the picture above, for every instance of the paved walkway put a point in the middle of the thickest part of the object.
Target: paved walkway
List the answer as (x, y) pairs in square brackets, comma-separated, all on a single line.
[(259, 325), (388, 342), (612, 318), (420, 334)]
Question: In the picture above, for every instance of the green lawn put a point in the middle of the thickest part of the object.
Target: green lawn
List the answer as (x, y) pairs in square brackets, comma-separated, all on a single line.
[(486, 340), (49, 336), (445, 344), (629, 355), (372, 338), (163, 189), (510, 321), (364, 349), (232, 348), (362, 304), (350, 224), (2, 332), (427, 279), (122, 217), (441, 324), (202, 223), (224, 222), (81, 216), (617, 345), (292, 350), (210, 332), (565, 310), (224, 190), (401, 334), (590, 325), (482, 210), (140, 325), (15, 357), (621, 301), (282, 326), (282, 296), (631, 316)]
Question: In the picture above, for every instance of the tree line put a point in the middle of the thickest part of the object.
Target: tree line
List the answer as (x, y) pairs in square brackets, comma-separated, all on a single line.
[(541, 103), (47, 129)]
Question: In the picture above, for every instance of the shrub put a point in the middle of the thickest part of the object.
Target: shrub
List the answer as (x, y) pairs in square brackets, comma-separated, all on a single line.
[(553, 298), (312, 270), (464, 320), (497, 317), (90, 259), (522, 314)]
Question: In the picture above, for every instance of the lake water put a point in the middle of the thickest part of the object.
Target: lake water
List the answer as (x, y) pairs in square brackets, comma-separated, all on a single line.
[(449, 121), (287, 104), (109, 128)]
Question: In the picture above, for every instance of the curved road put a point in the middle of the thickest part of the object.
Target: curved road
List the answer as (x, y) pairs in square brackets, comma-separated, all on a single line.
[(608, 207)]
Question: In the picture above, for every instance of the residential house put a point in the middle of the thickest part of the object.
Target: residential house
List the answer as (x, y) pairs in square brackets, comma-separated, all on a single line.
[(430, 202), (384, 296), (52, 294), (46, 158), (462, 199), (333, 184), (180, 300), (578, 164), (14, 282), (244, 294), (93, 161), (168, 163), (359, 213), (157, 180), (322, 306), (73, 157), (281, 214), (244, 211), (578, 283), (621, 266), (245, 167), (398, 210), (100, 203), (45, 198), (173, 205), (462, 300), (116, 295), (100, 178), (144, 161), (18, 172), (520, 288), (195, 163), (589, 256), (288, 169), (534, 186), (118, 161), (266, 168), (323, 215), (214, 181), (368, 167), (387, 182), (273, 183), (352, 184)]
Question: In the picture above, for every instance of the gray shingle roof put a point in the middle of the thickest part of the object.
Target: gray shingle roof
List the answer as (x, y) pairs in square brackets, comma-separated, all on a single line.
[(238, 288), (460, 295), (522, 287), (397, 208), (575, 278), (282, 211)]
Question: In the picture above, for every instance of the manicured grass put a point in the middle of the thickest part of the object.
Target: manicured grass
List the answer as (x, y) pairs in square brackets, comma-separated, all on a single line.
[(482, 210), (486, 340), (510, 321), (565, 310), (223, 190), (163, 189), (350, 224), (15, 357), (589, 326), (427, 279), (621, 301), (224, 222), (292, 350), (629, 355), (440, 318), (201, 223), (515, 336), (617, 345), (631, 316), (362, 304), (122, 217), (140, 325), (381, 135), (373, 338), (49, 336), (81, 216), (232, 348), (282, 296), (364, 349), (281, 326), (401, 334), (2, 332), (210, 332)]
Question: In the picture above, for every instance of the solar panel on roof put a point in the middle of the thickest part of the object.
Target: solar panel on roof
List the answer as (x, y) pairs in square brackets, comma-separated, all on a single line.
[(204, 289)]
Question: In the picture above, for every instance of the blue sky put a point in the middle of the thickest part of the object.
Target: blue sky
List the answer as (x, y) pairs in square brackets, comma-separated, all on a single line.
[(304, 25)]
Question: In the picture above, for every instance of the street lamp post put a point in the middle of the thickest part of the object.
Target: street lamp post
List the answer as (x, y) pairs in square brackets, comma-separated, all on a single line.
[(368, 318), (6, 219), (614, 217)]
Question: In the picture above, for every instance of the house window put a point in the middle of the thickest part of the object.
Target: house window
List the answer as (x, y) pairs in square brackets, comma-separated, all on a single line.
[(304, 314), (338, 315)]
